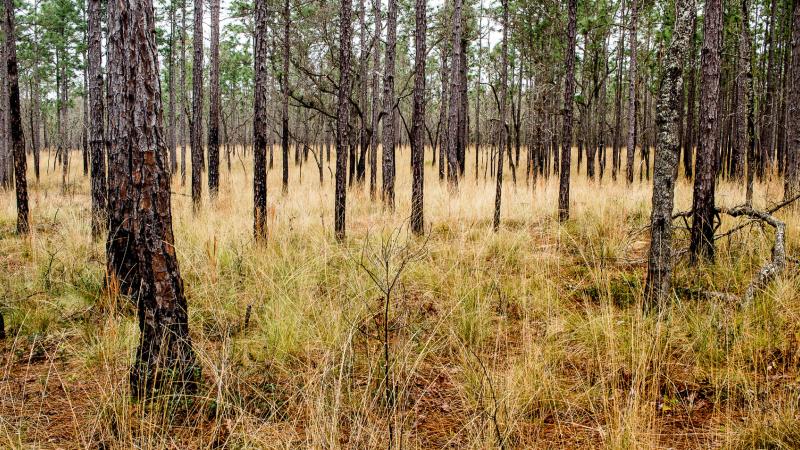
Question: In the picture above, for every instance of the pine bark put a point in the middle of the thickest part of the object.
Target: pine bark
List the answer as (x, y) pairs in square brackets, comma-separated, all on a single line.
[(689, 136), (213, 104), (741, 139), (632, 101), (418, 121), (667, 157), (388, 106), (164, 357), (453, 169), (15, 121), (171, 142), (5, 146), (504, 108), (96, 118), (566, 132), (615, 151), (703, 206), (284, 79), (197, 108), (376, 61), (260, 125), (342, 118), (444, 143), (792, 183)]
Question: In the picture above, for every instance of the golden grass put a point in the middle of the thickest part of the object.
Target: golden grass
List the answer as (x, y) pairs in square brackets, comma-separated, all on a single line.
[(534, 332)]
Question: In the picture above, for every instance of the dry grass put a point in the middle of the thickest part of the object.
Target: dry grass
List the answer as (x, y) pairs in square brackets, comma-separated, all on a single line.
[(534, 332)]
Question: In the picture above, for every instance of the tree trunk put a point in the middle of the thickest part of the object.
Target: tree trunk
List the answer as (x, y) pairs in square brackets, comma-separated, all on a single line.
[(197, 107), (569, 93), (5, 146), (632, 102), (792, 183), (342, 118), (418, 122), (768, 122), (388, 106), (504, 107), (171, 142), (260, 126), (615, 151), (164, 357), (284, 80), (703, 209), (741, 140), (688, 141), (444, 143), (376, 61), (96, 132), (184, 101), (667, 157), (455, 100), (15, 121), (213, 105)]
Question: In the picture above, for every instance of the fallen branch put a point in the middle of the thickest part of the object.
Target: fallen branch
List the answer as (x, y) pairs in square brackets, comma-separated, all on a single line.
[(772, 268)]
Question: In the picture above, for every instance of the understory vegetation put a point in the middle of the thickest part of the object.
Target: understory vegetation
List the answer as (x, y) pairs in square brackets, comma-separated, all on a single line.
[(531, 337)]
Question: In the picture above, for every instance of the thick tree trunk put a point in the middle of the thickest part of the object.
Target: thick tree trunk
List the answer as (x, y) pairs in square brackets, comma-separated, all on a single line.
[(792, 183), (213, 105), (388, 106), (260, 126), (97, 140), (703, 207), (503, 109), (342, 118), (667, 157), (632, 102), (15, 121), (164, 357), (418, 122), (566, 133), (197, 108)]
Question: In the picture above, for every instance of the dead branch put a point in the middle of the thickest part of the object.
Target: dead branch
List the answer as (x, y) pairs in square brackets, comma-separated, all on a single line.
[(772, 268)]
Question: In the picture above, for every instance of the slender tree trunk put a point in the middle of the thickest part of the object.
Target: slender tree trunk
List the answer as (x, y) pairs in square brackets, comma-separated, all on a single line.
[(792, 182), (15, 121), (418, 122), (478, 90), (615, 151), (284, 79), (213, 105), (503, 107), (569, 93), (688, 141), (260, 126), (703, 207), (667, 158), (453, 169), (5, 145), (376, 61), (768, 121), (363, 139), (444, 143), (741, 141), (164, 357), (388, 106), (197, 108), (97, 138), (173, 155), (184, 97), (632, 102), (342, 118)]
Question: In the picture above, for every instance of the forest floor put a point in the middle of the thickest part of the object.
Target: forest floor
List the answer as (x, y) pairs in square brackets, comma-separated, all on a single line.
[(532, 337)]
